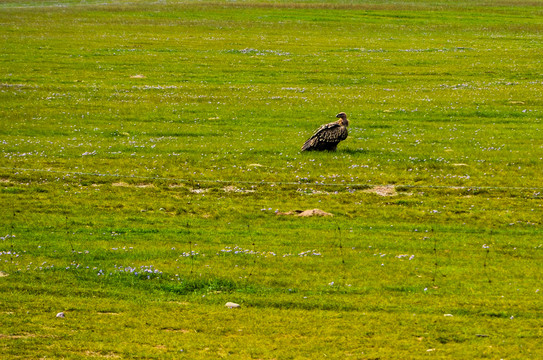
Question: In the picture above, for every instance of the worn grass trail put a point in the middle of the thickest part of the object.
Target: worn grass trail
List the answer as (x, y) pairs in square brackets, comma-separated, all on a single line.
[(146, 149)]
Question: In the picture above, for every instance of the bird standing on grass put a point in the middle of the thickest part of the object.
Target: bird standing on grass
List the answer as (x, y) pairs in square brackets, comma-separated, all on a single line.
[(329, 135)]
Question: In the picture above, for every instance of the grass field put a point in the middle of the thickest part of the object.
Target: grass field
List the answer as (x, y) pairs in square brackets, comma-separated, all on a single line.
[(146, 149)]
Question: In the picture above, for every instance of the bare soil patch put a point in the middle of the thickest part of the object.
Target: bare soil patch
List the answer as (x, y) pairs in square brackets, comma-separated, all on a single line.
[(305, 213)]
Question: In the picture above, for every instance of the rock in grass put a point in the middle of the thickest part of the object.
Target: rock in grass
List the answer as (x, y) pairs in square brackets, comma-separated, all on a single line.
[(232, 305), (61, 315)]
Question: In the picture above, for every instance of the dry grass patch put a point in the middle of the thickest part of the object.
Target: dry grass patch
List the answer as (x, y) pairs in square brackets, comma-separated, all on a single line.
[(386, 190), (94, 354), (141, 186)]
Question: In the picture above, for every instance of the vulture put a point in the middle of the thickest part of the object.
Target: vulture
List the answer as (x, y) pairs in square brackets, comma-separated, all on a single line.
[(329, 135)]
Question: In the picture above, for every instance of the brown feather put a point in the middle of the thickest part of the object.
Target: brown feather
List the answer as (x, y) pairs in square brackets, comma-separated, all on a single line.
[(328, 136)]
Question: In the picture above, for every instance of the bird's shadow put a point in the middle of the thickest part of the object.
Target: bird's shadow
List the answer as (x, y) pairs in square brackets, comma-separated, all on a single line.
[(352, 151), (348, 151)]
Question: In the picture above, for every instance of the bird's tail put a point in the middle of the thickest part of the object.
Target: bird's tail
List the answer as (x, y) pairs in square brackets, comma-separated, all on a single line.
[(307, 145)]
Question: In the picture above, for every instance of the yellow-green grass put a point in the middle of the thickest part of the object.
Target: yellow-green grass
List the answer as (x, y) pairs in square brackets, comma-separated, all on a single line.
[(146, 150)]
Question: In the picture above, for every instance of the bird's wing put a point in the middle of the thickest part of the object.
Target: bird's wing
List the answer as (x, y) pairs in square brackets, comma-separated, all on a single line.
[(327, 133), (325, 128), (331, 133)]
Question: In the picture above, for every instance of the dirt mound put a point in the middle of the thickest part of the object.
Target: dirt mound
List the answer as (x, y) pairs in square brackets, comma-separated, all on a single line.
[(306, 213)]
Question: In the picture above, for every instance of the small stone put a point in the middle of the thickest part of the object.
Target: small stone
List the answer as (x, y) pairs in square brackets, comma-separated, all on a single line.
[(61, 315), (232, 305)]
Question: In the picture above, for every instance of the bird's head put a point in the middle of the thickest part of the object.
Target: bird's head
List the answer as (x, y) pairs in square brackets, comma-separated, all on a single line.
[(343, 118)]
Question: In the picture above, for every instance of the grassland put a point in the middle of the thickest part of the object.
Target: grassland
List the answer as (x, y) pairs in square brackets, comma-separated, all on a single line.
[(146, 149)]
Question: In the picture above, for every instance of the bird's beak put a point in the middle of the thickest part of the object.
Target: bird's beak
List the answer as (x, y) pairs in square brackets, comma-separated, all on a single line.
[(338, 115)]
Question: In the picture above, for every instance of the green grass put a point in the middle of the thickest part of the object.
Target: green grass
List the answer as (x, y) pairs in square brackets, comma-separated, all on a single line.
[(145, 149)]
